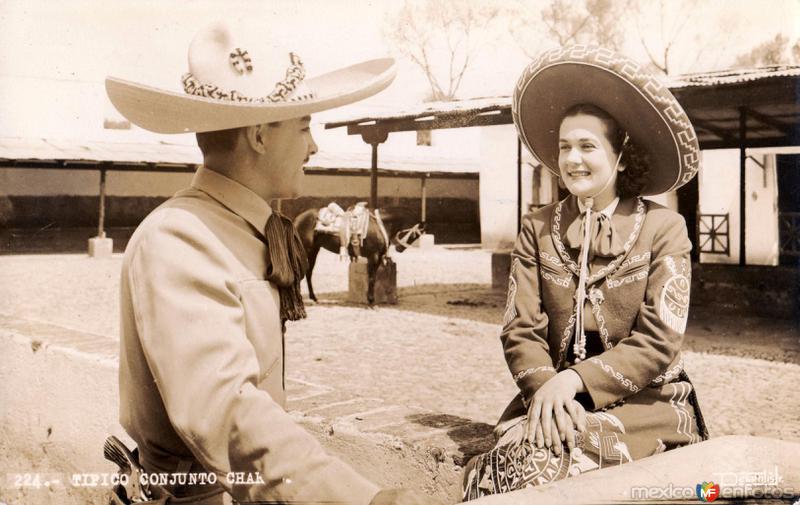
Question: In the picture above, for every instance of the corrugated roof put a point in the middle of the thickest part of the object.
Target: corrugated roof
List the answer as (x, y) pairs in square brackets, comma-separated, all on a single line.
[(21, 149), (430, 163), (488, 104), (73, 151), (429, 109), (722, 77)]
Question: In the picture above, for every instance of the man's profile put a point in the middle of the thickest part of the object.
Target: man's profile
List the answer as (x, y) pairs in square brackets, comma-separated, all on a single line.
[(210, 278)]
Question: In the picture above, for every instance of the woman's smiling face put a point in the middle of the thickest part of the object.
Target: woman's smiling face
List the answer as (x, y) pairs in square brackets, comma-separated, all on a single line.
[(587, 160)]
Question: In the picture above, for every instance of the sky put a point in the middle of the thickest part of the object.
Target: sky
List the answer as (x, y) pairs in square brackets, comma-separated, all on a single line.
[(54, 55)]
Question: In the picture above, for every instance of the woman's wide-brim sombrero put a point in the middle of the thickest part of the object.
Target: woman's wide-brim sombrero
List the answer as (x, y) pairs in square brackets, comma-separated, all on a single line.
[(642, 105), (237, 78)]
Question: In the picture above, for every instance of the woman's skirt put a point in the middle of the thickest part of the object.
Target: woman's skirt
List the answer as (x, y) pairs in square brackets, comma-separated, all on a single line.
[(654, 420)]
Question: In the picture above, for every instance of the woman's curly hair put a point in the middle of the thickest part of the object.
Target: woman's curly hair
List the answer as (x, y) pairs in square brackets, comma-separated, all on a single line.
[(635, 160)]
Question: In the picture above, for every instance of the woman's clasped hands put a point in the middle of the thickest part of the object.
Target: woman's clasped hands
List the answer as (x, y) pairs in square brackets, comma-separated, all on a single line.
[(554, 414)]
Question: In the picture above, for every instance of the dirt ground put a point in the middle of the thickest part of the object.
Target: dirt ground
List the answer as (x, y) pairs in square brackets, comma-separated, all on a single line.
[(438, 348)]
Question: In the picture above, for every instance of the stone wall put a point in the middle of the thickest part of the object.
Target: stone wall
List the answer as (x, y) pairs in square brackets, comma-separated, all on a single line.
[(752, 290), (63, 223)]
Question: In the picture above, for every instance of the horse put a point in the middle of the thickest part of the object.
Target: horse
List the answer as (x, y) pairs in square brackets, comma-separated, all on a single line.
[(401, 227)]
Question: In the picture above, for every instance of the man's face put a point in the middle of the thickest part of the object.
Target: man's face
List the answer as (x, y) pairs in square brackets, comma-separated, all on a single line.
[(289, 145)]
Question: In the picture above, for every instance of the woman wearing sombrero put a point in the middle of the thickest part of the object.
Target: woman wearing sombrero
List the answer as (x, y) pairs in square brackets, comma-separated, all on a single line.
[(598, 294)]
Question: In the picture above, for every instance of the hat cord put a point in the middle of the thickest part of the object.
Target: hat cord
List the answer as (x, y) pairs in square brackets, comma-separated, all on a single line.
[(579, 345)]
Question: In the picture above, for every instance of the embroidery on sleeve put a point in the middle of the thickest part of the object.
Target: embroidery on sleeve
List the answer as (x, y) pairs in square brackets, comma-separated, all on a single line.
[(618, 376), (551, 259), (674, 304), (633, 260), (530, 371), (558, 281), (669, 375), (615, 283), (511, 309)]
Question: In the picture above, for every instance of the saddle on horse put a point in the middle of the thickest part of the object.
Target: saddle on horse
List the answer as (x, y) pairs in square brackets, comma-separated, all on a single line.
[(351, 226)]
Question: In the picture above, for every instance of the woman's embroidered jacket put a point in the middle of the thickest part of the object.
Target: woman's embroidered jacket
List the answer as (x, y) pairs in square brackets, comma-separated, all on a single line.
[(640, 300)]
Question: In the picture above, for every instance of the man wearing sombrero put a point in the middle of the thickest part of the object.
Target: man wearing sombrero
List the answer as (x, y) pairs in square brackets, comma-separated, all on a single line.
[(599, 289), (210, 278)]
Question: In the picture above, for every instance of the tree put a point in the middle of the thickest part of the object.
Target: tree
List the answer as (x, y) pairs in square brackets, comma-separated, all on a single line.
[(442, 37), (771, 52), (660, 29), (540, 24)]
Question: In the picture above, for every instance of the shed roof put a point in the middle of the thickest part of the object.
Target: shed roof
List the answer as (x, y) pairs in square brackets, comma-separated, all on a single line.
[(171, 157), (719, 104)]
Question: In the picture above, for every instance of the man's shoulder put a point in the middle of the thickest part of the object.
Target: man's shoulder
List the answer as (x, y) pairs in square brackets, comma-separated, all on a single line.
[(182, 217)]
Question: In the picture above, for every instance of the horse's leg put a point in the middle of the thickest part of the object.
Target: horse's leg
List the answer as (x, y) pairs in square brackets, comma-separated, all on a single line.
[(373, 263), (372, 268), (312, 259)]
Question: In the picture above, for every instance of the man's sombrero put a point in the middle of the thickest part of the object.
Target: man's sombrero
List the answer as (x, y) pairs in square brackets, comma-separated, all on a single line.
[(641, 104), (238, 78)]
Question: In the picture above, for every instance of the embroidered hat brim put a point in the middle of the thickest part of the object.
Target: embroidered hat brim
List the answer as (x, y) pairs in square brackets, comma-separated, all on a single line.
[(165, 111), (641, 104)]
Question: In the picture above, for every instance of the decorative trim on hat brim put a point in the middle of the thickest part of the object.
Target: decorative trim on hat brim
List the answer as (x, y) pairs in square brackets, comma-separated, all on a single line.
[(163, 111), (551, 162), (565, 77)]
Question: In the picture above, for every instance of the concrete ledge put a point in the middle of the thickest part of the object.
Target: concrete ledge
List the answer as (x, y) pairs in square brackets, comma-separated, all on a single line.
[(60, 402), (729, 461)]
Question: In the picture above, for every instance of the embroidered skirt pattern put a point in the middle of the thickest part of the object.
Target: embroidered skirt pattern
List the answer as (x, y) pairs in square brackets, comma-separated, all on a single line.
[(652, 421)]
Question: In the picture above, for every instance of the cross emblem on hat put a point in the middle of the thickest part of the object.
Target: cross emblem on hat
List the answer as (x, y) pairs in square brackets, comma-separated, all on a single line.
[(240, 57)]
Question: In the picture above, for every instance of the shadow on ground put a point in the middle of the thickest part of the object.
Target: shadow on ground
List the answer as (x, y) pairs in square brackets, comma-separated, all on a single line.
[(469, 437), (474, 302)]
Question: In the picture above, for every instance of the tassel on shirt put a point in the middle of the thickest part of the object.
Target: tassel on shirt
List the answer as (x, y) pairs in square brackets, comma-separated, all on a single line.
[(287, 264)]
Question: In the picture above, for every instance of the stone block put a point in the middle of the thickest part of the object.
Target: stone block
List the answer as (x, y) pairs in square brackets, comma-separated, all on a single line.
[(100, 247), (424, 242), (385, 283), (501, 268)]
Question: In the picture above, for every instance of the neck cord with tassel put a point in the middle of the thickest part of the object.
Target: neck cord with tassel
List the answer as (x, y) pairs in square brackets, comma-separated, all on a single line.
[(579, 345)]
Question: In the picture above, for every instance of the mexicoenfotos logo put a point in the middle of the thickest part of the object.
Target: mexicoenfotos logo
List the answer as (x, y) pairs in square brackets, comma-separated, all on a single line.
[(708, 491)]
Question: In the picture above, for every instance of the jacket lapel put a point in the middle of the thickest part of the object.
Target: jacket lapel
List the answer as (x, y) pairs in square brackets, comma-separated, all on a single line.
[(627, 220)]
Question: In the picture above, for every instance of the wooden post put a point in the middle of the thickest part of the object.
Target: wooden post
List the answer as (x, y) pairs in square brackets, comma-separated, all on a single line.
[(742, 185), (423, 180), (519, 185), (101, 220), (373, 178), (374, 138)]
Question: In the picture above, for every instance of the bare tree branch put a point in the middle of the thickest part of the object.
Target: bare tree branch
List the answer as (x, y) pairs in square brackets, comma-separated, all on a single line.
[(428, 31)]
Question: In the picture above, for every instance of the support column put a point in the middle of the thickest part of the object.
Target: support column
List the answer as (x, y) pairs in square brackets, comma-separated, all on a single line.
[(519, 185), (742, 185), (424, 213), (100, 246), (374, 139), (373, 178), (102, 214)]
